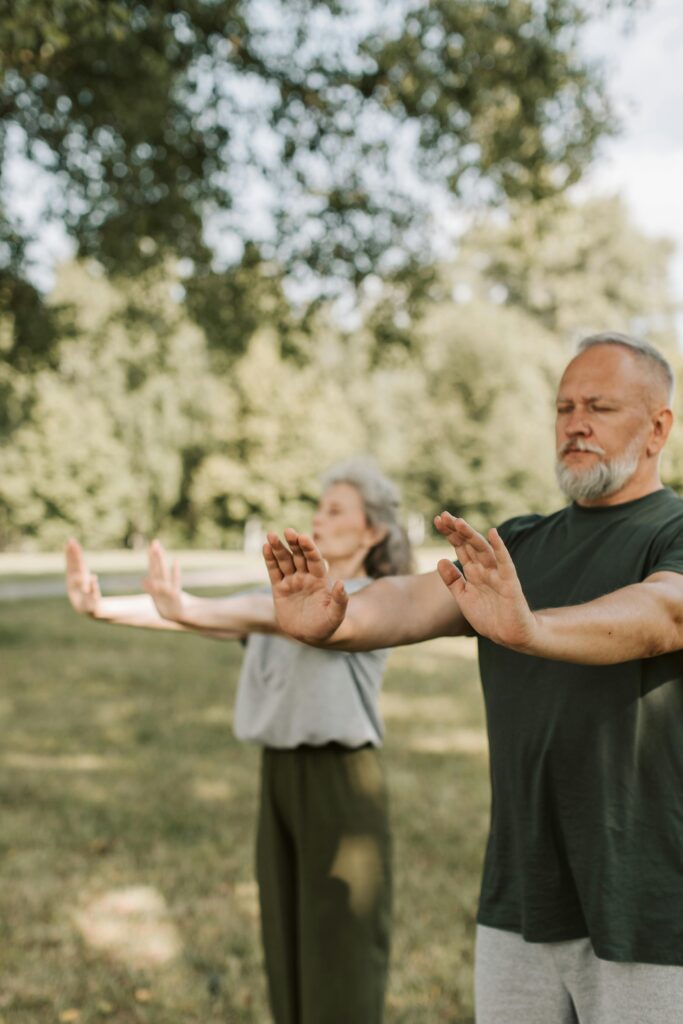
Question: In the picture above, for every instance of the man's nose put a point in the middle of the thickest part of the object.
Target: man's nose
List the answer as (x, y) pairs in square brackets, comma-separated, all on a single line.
[(577, 423)]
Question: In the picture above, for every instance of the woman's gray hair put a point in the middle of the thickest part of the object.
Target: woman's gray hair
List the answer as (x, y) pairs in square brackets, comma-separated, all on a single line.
[(381, 499), (658, 364)]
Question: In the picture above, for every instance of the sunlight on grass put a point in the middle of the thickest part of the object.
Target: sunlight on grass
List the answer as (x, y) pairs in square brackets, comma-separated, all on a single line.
[(120, 775), (408, 707), (247, 900), (63, 762), (212, 790), (454, 741), (131, 925)]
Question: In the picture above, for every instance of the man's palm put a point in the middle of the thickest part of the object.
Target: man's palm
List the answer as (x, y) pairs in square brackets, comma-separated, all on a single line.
[(308, 605)]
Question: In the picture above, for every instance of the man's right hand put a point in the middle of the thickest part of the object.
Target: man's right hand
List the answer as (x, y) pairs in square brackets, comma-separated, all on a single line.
[(308, 605), (81, 585)]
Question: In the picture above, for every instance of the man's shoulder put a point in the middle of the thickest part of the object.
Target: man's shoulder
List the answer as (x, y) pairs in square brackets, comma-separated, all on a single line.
[(521, 524)]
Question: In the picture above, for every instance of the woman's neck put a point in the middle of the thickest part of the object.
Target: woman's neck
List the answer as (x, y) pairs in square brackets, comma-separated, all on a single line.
[(347, 568)]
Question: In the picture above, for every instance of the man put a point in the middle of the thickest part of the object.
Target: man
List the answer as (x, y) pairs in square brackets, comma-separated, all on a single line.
[(580, 623)]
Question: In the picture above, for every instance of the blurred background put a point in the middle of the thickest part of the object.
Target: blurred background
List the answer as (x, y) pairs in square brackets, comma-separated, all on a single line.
[(241, 240)]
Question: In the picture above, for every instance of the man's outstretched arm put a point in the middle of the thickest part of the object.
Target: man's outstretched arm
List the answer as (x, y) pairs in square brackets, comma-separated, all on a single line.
[(390, 612), (639, 621)]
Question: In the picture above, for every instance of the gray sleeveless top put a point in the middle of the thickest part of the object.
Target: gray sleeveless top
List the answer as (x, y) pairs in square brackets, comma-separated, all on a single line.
[(289, 693)]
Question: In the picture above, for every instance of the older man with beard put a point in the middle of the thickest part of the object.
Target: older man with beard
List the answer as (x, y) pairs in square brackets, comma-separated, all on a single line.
[(579, 617)]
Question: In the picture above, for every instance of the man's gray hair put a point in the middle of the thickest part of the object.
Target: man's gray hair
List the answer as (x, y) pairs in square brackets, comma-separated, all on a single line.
[(659, 365), (381, 502)]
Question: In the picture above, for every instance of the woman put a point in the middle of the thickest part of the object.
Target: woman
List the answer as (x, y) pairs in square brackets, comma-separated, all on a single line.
[(323, 846)]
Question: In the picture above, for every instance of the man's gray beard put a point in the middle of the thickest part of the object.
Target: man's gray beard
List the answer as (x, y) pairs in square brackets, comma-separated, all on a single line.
[(602, 479)]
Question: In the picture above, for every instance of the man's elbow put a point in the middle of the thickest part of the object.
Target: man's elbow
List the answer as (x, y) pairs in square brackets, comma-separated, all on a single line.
[(669, 637)]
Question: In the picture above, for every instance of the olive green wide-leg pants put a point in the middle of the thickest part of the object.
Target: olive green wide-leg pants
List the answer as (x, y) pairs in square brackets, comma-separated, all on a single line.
[(324, 873)]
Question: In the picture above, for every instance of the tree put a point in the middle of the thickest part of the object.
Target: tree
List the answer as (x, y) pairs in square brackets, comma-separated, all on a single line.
[(466, 420), (104, 441), (154, 120), (576, 268), (135, 430)]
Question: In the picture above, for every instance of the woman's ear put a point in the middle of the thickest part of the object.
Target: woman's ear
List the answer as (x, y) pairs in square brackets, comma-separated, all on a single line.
[(377, 534)]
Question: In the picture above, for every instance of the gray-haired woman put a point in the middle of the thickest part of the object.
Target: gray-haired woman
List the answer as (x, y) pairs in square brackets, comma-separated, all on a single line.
[(324, 845)]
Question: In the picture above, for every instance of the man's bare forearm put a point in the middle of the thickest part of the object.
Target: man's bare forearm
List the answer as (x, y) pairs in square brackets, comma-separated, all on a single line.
[(640, 621), (398, 610)]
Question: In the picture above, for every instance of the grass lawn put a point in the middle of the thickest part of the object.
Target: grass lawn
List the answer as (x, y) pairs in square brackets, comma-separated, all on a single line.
[(128, 815)]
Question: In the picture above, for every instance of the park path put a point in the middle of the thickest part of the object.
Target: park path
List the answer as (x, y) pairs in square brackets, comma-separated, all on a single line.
[(32, 587), (242, 573)]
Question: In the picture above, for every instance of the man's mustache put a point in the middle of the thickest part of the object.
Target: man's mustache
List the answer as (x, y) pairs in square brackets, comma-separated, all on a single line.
[(577, 445)]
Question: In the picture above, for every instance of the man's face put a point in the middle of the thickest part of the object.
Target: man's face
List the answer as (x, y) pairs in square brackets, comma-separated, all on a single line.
[(603, 422)]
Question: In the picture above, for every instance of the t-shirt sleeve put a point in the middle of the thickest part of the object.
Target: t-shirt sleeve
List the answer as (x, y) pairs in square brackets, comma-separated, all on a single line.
[(513, 528), (666, 554), (509, 530)]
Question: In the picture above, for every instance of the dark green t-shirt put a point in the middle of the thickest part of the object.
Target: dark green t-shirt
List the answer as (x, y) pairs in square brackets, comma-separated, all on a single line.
[(587, 761)]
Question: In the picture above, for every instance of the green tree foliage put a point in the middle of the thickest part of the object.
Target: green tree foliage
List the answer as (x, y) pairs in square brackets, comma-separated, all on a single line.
[(139, 429), (291, 423), (154, 120), (576, 267), (470, 428), (102, 442)]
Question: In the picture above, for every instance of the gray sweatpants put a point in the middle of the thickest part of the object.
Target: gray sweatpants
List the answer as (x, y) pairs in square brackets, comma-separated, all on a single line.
[(519, 982)]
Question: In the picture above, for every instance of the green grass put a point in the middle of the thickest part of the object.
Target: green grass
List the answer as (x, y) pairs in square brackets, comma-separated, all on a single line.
[(118, 769)]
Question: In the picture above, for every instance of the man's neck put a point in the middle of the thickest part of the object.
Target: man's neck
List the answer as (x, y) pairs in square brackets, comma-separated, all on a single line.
[(631, 491)]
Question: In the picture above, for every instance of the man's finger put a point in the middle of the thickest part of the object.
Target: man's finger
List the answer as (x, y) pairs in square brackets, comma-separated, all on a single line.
[(281, 554), (292, 538), (502, 555), (474, 539), (446, 525), (317, 566), (275, 574), (475, 555), (338, 594), (451, 576)]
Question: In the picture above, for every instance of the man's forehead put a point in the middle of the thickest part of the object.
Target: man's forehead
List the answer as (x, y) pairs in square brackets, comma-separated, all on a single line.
[(601, 372), (567, 394)]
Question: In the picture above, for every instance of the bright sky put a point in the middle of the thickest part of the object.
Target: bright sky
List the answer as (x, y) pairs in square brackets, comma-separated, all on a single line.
[(645, 164)]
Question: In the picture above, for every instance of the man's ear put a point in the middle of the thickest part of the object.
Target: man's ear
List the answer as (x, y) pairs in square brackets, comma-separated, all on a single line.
[(662, 422)]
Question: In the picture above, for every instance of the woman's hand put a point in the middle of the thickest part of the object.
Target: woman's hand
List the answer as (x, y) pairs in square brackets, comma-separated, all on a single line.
[(308, 605), (82, 587), (162, 583)]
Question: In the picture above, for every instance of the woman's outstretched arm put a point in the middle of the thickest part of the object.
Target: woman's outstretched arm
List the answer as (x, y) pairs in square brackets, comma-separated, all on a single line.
[(235, 616), (83, 591), (139, 610)]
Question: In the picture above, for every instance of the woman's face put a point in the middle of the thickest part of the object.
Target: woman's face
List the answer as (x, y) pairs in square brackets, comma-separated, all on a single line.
[(340, 528)]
